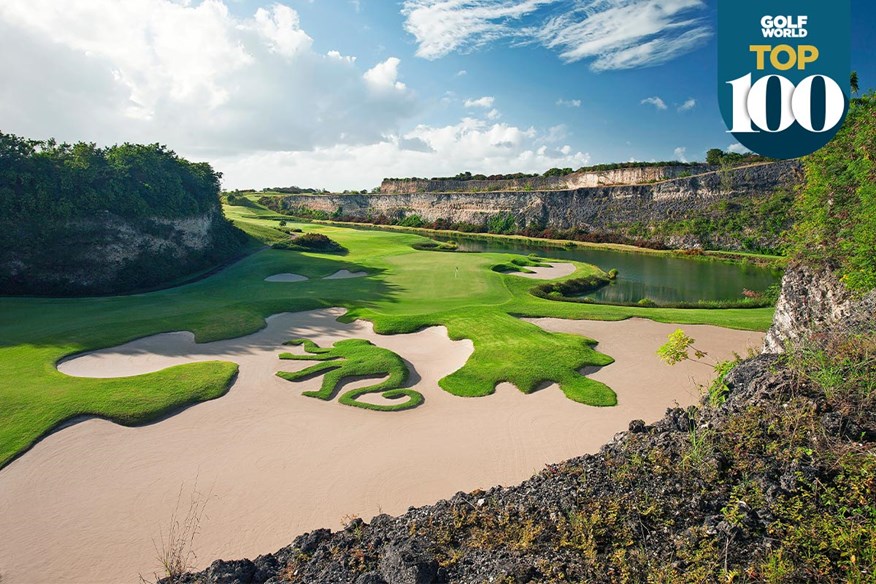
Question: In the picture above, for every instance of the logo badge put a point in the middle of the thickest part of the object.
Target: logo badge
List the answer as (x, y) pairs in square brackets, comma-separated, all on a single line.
[(783, 73)]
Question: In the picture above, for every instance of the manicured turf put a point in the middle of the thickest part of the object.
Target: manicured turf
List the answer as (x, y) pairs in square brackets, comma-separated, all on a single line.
[(406, 290), (354, 358)]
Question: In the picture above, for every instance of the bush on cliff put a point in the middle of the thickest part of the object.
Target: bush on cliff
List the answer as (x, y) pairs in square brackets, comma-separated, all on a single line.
[(836, 212)]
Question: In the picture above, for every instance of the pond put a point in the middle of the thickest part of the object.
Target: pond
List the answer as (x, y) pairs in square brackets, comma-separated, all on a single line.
[(662, 278)]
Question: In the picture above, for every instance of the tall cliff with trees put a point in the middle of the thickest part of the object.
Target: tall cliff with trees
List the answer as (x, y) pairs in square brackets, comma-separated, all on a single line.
[(79, 219)]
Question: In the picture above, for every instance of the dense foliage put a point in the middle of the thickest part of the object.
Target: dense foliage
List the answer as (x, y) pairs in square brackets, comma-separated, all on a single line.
[(64, 181), (311, 242), (79, 219), (718, 157), (836, 212)]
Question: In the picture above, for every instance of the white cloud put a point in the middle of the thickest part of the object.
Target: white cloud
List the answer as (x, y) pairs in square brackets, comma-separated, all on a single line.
[(680, 153), (737, 148), (471, 144), (484, 102), (493, 114), (625, 34), (461, 73), (569, 102), (613, 34), (385, 75), (337, 55), (280, 28), (191, 75), (688, 105), (655, 101), (445, 26)]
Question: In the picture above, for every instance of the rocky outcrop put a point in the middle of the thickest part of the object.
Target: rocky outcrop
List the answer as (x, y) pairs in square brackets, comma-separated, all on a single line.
[(594, 209), (576, 180), (813, 301), (110, 254)]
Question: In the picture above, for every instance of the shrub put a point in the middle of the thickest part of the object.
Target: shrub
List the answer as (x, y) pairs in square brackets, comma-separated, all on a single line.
[(311, 242)]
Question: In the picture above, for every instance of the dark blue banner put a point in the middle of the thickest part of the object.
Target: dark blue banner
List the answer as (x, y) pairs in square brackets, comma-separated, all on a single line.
[(783, 72)]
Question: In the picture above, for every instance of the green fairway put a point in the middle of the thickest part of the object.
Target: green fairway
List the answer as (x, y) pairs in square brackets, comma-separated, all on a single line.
[(405, 290)]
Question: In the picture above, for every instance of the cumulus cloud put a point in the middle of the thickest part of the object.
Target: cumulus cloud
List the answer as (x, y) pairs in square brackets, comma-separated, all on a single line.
[(188, 74), (569, 102), (484, 102), (688, 105), (611, 34), (473, 144), (655, 101), (680, 153), (385, 75), (737, 148)]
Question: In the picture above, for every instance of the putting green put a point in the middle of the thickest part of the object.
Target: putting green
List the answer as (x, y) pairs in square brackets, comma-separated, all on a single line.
[(405, 290)]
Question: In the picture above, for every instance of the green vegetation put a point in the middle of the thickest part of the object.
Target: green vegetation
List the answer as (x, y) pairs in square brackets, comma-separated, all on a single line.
[(62, 181), (65, 205), (718, 157), (349, 359), (311, 242), (571, 290), (757, 222), (448, 246), (836, 212)]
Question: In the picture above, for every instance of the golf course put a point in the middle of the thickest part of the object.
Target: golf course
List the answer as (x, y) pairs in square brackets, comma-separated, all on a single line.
[(406, 290), (389, 371)]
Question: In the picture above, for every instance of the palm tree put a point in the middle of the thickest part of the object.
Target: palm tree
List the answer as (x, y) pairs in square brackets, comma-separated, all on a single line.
[(853, 81)]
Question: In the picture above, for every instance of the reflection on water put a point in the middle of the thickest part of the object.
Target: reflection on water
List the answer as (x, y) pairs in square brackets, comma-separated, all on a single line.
[(661, 278)]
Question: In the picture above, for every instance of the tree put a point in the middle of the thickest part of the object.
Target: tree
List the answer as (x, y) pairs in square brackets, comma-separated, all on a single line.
[(714, 156), (853, 82), (675, 350)]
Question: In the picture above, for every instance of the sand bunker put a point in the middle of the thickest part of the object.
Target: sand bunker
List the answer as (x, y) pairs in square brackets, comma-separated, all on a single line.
[(345, 274), (287, 277), (557, 270), (86, 502)]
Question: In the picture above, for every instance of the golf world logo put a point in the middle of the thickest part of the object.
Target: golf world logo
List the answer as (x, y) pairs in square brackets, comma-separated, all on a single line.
[(783, 73)]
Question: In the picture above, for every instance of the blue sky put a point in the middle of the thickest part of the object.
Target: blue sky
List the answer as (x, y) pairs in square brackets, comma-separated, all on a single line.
[(339, 93)]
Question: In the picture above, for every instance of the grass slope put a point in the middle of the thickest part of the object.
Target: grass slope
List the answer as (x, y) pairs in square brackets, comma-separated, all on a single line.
[(406, 290)]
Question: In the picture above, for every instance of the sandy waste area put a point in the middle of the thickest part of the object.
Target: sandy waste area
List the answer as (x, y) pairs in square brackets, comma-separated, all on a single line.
[(87, 503)]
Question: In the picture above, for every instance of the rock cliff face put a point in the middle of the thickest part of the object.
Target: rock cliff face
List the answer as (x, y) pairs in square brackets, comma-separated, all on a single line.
[(814, 301), (110, 254), (593, 208), (577, 180)]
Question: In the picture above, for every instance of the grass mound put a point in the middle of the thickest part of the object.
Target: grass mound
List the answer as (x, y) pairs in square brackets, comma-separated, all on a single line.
[(571, 290), (448, 246), (311, 242), (355, 358)]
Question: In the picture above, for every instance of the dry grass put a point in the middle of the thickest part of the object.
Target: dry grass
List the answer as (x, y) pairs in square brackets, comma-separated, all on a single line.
[(174, 548)]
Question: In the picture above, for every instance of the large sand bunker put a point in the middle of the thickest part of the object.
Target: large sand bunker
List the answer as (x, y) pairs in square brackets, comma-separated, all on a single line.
[(86, 502), (554, 270)]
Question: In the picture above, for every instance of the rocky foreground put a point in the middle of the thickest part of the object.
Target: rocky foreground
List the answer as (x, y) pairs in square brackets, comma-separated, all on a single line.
[(777, 483)]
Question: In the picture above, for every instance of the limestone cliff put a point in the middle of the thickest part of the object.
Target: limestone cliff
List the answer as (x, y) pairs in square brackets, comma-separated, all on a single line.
[(599, 209), (814, 301), (111, 254), (576, 180)]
